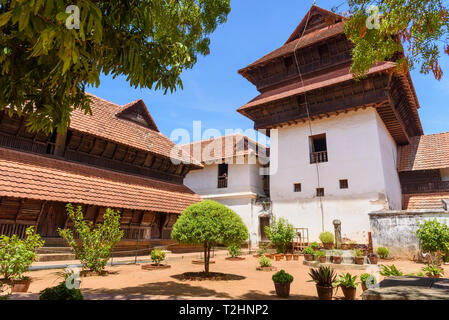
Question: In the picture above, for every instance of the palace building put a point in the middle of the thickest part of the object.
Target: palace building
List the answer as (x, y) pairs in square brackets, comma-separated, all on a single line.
[(115, 158), (346, 148)]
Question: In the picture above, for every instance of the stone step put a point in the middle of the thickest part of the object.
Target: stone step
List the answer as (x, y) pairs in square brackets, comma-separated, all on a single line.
[(50, 250), (55, 257)]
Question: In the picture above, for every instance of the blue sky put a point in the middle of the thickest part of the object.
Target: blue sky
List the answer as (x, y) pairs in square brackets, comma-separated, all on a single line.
[(213, 89)]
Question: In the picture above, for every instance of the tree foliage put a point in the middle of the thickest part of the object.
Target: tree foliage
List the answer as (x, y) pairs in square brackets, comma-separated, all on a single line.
[(45, 66), (422, 26), (95, 243), (209, 223), (433, 236)]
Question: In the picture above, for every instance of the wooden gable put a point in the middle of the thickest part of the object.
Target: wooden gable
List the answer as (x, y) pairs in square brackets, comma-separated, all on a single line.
[(137, 112)]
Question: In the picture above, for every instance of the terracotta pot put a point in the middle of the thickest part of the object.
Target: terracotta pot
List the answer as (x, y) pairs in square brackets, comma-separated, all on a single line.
[(364, 287), (288, 257), (432, 276), (373, 260), (279, 257), (282, 289), (324, 293), (322, 259), (337, 259), (19, 285), (359, 260), (296, 257), (349, 293), (344, 246), (269, 255), (328, 246), (308, 257)]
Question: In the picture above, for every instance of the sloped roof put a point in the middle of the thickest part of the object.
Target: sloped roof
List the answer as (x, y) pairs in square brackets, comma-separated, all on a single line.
[(294, 89), (424, 201), (106, 122), (38, 177), (227, 146), (425, 153)]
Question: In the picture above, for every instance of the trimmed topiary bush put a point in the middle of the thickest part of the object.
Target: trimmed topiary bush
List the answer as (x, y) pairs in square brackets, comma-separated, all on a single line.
[(383, 252), (209, 223), (282, 277), (327, 237), (157, 256)]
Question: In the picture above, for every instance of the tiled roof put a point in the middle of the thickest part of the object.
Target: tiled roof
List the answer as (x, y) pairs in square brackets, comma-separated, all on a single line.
[(24, 175), (231, 146), (306, 40), (105, 123), (424, 201), (318, 82), (425, 153)]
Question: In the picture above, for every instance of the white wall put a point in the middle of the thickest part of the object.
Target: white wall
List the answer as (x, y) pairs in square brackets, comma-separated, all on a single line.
[(354, 142)]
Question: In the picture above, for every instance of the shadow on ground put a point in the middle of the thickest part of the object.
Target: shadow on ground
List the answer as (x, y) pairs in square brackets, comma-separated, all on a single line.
[(258, 295), (170, 288), (223, 276)]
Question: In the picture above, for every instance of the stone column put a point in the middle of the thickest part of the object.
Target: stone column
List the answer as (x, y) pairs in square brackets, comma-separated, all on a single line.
[(337, 230)]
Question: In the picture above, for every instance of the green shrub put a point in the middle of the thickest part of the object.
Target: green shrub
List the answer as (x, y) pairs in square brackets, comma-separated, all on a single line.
[(281, 234), (357, 253), (433, 271), (315, 245), (95, 243), (390, 271), (346, 280), (383, 252), (235, 251), (308, 250), (327, 237), (61, 292), (364, 277), (319, 253), (323, 277), (17, 255), (157, 256), (433, 236), (264, 262), (209, 223), (282, 277)]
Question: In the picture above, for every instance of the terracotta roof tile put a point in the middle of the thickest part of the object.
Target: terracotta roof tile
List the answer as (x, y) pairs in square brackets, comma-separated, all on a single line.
[(105, 123), (42, 178), (230, 145), (425, 153), (424, 201)]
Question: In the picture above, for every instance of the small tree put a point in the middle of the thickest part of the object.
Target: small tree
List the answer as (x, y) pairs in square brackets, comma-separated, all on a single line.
[(209, 223), (433, 238), (95, 242), (157, 256), (16, 255), (281, 233)]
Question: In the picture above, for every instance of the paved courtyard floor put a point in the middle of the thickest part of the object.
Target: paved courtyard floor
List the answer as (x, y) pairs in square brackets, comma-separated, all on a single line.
[(131, 282)]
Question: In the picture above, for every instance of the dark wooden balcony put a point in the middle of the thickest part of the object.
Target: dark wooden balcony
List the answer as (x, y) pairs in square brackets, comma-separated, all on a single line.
[(318, 157), (222, 182)]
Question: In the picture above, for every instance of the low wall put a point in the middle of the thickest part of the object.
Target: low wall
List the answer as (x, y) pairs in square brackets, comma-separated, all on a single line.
[(395, 229)]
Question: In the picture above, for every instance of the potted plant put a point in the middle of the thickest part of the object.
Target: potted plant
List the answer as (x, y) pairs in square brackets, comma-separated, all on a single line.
[(373, 259), (348, 285), (344, 246), (432, 271), (358, 255), (383, 252), (61, 293), (327, 238), (315, 246), (265, 264), (279, 256), (308, 253), (352, 245), (367, 279), (295, 256), (320, 256), (282, 282), (324, 279), (288, 256), (16, 255), (337, 256)]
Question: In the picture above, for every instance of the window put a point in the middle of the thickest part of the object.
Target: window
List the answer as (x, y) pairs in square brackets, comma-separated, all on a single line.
[(320, 192), (344, 184), (222, 175), (297, 187), (318, 148)]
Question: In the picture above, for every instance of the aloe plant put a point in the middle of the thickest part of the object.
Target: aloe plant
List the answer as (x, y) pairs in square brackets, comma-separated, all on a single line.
[(390, 271), (323, 277), (346, 280)]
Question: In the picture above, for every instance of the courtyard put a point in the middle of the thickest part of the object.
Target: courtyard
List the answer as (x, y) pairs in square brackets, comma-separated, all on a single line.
[(131, 282)]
